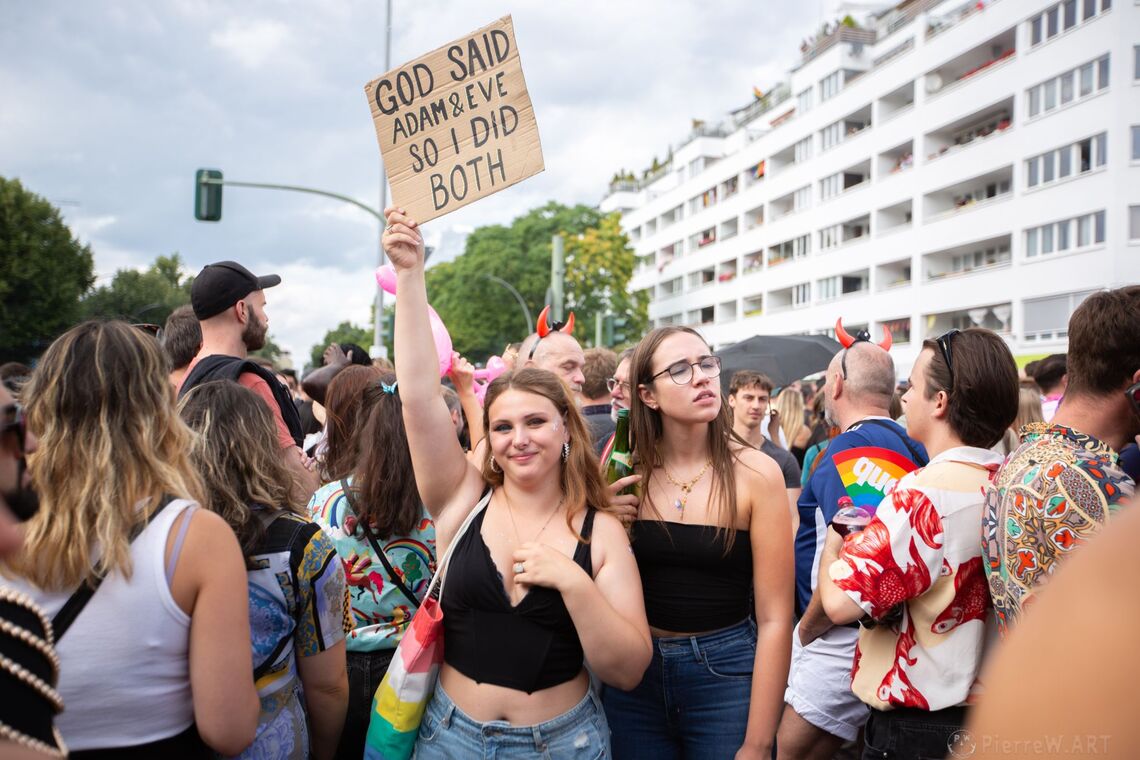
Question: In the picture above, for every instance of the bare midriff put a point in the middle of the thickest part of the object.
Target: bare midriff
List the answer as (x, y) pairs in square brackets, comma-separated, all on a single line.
[(486, 702)]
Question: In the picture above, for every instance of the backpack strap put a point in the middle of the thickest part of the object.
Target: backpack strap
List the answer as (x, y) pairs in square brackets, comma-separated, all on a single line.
[(77, 601), (378, 550)]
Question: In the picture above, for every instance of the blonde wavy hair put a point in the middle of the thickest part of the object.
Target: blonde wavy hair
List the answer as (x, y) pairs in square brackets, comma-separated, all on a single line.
[(790, 404), (237, 455), (110, 446)]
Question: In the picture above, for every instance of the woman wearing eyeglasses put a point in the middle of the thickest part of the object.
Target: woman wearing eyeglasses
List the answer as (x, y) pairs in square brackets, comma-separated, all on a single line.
[(711, 544)]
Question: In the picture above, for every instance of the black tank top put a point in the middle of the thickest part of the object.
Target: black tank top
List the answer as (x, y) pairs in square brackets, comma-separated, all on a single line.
[(690, 584), (530, 646)]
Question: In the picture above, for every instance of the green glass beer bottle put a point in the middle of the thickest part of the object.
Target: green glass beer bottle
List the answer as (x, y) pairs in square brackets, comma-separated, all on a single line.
[(620, 463)]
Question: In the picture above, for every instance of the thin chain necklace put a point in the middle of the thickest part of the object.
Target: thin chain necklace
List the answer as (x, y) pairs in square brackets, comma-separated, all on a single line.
[(686, 486), (511, 512)]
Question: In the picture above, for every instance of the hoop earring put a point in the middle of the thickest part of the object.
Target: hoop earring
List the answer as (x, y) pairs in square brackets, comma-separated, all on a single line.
[(493, 467), (565, 450)]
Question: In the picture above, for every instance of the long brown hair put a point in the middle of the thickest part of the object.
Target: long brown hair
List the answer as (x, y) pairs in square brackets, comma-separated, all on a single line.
[(580, 477), (647, 430), (384, 493), (237, 453), (344, 420), (101, 406)]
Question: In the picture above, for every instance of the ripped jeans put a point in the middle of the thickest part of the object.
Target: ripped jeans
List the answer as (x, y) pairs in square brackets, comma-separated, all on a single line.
[(447, 733)]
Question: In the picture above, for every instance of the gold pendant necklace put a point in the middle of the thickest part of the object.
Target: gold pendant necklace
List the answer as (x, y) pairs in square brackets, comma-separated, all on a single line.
[(511, 512), (686, 486)]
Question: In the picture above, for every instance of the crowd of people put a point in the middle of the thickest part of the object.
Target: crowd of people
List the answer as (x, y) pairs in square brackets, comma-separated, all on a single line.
[(218, 561)]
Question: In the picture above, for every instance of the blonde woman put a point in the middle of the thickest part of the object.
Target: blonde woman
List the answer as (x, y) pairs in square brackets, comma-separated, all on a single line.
[(160, 653), (790, 406), (542, 582), (297, 603)]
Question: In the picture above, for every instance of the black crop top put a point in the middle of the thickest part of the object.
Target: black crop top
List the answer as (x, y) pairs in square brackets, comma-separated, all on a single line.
[(530, 646), (690, 584)]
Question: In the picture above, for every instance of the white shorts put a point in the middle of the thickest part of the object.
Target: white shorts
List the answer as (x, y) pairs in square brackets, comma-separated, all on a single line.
[(819, 683)]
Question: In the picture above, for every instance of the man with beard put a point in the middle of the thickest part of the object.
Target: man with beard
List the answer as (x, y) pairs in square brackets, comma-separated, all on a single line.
[(229, 302)]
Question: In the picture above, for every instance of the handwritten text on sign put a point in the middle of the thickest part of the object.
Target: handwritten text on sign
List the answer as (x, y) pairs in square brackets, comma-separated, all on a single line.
[(456, 124)]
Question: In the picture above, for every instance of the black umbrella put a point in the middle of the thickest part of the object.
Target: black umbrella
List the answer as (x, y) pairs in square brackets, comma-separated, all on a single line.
[(783, 358)]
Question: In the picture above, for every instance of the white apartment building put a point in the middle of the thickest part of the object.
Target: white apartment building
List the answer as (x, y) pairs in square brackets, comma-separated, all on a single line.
[(951, 164)]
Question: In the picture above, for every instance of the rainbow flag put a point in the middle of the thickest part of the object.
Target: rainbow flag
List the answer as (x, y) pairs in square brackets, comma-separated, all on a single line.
[(870, 473)]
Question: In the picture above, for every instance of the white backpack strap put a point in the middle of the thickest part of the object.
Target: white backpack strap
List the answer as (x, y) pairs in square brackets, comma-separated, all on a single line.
[(437, 580)]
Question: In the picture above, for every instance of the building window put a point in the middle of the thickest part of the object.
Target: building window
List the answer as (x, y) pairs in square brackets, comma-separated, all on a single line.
[(827, 289), (1048, 318), (830, 186), (830, 85), (804, 101), (1067, 234), (1087, 154), (801, 294), (801, 199), (831, 135), (801, 151), (1135, 62), (1136, 143), (829, 237), (1134, 223), (1059, 90), (1069, 11)]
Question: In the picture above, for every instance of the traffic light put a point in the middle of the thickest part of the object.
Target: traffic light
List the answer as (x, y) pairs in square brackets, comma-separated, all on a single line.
[(208, 195), (613, 329), (388, 327)]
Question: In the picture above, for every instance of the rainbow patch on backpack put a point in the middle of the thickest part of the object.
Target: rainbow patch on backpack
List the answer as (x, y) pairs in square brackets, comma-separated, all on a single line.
[(869, 473)]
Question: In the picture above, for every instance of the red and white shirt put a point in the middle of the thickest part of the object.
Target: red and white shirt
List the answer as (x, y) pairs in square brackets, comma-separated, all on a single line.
[(921, 551)]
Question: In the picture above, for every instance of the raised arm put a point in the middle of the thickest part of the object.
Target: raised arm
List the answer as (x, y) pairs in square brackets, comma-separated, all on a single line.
[(463, 378), (441, 468)]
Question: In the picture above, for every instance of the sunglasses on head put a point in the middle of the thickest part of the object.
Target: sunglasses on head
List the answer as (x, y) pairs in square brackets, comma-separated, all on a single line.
[(943, 342), (149, 329)]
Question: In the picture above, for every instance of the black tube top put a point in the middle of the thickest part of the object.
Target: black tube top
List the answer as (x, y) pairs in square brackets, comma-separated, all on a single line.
[(690, 583), (529, 647)]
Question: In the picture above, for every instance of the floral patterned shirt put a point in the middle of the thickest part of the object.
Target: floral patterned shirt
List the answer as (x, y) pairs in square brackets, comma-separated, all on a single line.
[(297, 608), (1055, 491), (917, 568), (380, 611)]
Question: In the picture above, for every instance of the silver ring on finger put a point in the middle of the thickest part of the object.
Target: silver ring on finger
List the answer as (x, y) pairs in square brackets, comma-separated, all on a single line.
[(519, 568)]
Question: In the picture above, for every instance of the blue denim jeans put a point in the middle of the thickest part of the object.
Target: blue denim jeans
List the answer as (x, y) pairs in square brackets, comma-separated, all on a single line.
[(693, 701), (447, 733)]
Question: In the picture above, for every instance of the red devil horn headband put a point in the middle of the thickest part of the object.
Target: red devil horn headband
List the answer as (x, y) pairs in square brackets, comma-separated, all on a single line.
[(544, 326), (847, 340)]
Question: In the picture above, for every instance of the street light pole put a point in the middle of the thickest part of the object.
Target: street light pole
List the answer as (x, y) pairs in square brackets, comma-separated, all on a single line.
[(518, 297), (377, 336)]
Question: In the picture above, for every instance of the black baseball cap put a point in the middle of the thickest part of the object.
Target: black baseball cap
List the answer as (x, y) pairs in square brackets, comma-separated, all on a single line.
[(219, 286)]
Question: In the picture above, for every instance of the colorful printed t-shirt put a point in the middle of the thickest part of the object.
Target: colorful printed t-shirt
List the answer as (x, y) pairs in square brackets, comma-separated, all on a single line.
[(864, 462), (920, 551), (297, 608), (1056, 490), (380, 611)]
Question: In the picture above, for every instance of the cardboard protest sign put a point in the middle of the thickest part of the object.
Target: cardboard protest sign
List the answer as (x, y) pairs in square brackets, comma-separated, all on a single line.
[(456, 125)]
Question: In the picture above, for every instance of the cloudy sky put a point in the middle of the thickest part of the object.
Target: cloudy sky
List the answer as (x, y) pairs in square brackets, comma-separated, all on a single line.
[(108, 107)]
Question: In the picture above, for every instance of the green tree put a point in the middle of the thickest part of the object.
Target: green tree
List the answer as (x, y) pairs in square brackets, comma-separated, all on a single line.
[(44, 270), (481, 316), (599, 265), (146, 296), (345, 332)]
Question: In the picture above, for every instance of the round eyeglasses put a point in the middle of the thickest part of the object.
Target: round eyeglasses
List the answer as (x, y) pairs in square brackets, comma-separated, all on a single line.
[(682, 372)]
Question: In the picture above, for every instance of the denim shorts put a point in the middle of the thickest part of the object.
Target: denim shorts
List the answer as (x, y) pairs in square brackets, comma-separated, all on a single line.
[(693, 701), (447, 733)]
